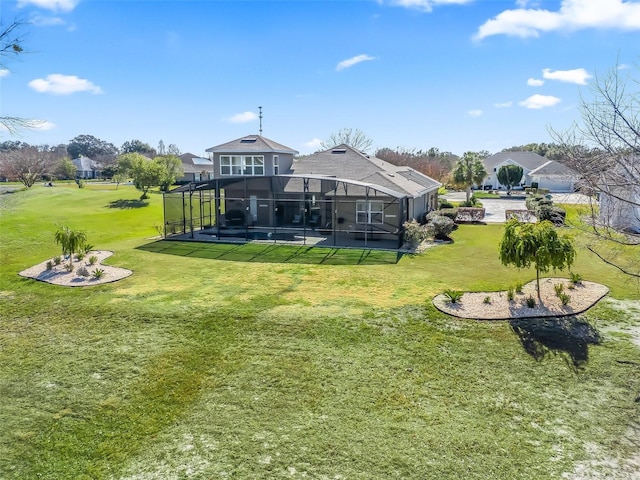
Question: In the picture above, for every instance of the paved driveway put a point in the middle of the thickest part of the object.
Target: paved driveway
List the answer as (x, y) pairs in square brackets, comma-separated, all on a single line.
[(495, 207)]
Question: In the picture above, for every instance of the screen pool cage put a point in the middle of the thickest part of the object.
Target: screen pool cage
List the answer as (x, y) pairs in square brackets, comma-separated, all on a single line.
[(307, 210)]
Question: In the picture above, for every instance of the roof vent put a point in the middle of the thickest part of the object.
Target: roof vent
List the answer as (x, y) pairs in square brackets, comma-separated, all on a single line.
[(248, 140), (339, 150)]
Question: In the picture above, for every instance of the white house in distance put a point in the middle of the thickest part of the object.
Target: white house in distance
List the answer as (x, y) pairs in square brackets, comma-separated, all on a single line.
[(86, 167), (548, 174)]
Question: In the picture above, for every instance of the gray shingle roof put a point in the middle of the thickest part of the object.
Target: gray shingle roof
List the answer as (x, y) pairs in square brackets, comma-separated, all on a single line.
[(528, 160), (193, 164), (346, 162), (552, 167), (85, 164), (251, 144)]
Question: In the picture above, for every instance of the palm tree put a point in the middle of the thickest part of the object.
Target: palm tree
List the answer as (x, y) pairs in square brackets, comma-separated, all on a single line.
[(469, 171), (71, 241)]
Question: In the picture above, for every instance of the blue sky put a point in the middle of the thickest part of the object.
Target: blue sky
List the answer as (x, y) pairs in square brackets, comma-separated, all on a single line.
[(454, 74)]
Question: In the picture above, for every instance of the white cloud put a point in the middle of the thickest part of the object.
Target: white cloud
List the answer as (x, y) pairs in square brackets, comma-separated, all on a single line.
[(314, 144), (40, 21), (350, 62), (535, 82), (43, 125), (4, 72), (474, 113), (538, 101), (503, 104), (623, 66), (423, 5), (59, 84), (54, 5), (572, 15), (578, 76), (244, 117)]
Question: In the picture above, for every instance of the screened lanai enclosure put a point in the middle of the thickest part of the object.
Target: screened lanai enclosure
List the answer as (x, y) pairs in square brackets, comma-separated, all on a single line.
[(306, 210)]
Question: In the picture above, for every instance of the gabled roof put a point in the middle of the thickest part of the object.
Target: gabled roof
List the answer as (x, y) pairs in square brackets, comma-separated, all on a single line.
[(252, 144), (551, 168), (85, 164), (193, 164), (346, 162), (528, 160)]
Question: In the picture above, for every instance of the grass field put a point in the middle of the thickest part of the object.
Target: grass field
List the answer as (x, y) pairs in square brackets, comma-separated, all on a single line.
[(262, 361)]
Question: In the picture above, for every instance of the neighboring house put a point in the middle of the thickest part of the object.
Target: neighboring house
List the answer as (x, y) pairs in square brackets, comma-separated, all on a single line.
[(195, 168), (622, 211), (548, 174), (87, 168), (340, 193)]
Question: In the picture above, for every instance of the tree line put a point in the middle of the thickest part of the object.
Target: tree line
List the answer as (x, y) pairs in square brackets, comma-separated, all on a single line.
[(28, 164)]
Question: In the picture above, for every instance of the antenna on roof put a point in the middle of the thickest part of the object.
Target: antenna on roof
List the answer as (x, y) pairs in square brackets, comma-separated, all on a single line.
[(260, 116)]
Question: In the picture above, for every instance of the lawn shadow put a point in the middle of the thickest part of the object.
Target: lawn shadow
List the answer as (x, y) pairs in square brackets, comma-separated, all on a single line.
[(567, 336), (249, 252), (127, 204)]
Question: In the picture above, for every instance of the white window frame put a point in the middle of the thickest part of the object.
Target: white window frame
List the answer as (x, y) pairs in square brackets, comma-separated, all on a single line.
[(370, 212), (243, 165), (276, 164)]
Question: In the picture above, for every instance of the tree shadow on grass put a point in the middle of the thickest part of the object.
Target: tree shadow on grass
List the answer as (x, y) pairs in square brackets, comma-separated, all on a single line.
[(127, 204), (569, 337)]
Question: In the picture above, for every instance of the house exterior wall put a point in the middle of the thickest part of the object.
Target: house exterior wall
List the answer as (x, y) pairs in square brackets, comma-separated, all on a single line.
[(285, 160), (620, 215), (551, 184), (492, 177)]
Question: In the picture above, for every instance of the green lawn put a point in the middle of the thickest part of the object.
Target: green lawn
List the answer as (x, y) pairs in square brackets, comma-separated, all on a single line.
[(262, 361)]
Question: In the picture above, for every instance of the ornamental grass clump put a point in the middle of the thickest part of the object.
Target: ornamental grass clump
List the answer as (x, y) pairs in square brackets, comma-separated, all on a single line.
[(564, 299), (454, 296), (558, 287)]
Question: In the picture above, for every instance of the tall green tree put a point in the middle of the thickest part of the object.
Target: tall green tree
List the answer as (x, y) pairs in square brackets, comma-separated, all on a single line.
[(144, 172), (510, 176), (469, 171), (66, 169), (71, 241), (91, 147), (138, 146), (174, 170), (537, 244)]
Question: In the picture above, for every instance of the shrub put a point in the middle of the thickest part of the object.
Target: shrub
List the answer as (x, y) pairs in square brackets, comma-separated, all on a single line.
[(83, 272), (575, 277), (57, 260), (49, 265), (545, 211), (531, 302), (446, 204), (414, 233), (79, 256), (564, 298), (440, 227), (518, 287), (454, 296), (81, 183), (510, 293), (558, 287), (92, 260), (98, 273), (69, 267), (451, 213), (486, 300)]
